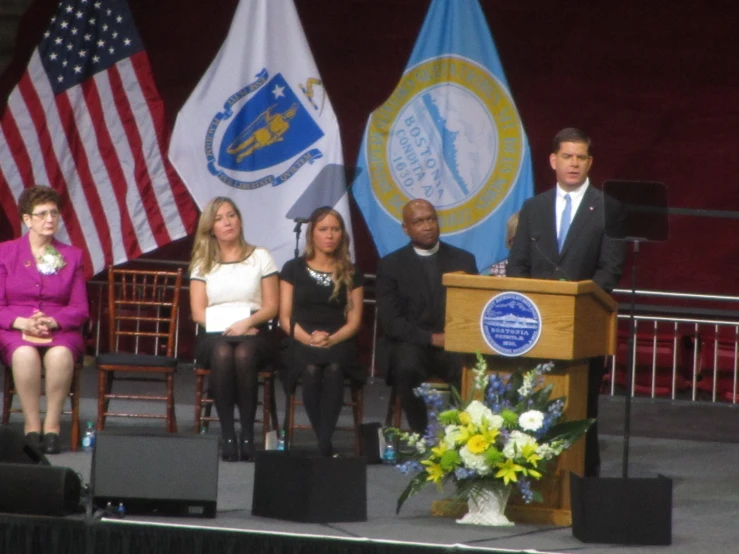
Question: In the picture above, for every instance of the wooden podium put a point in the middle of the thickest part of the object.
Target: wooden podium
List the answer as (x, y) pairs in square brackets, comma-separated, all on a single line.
[(578, 322)]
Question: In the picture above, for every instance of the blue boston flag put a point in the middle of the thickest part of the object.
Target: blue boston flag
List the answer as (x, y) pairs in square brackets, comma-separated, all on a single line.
[(449, 133)]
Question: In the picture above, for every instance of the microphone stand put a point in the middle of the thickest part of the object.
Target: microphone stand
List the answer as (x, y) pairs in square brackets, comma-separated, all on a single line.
[(631, 366)]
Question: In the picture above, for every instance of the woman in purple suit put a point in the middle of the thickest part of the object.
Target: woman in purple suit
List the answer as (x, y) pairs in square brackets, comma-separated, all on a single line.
[(43, 305)]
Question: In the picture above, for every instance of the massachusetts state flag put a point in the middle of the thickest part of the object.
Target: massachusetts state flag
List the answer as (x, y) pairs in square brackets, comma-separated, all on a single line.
[(259, 128), (87, 120), (449, 133)]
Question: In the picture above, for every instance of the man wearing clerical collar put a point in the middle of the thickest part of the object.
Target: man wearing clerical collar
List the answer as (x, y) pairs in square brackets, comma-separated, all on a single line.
[(411, 306)]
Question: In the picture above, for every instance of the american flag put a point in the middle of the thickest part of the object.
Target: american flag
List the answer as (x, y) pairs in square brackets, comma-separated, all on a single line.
[(86, 119)]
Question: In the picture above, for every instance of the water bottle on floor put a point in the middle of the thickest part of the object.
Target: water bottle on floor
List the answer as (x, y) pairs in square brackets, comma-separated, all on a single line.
[(281, 442), (88, 439)]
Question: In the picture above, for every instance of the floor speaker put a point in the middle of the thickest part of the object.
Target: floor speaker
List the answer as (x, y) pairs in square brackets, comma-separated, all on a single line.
[(39, 490), (15, 449), (615, 510), (156, 474)]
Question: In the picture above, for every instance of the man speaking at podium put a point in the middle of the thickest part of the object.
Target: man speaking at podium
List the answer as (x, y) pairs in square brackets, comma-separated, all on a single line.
[(561, 235)]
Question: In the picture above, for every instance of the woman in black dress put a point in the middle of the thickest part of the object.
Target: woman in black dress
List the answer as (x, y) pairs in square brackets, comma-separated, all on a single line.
[(323, 292)]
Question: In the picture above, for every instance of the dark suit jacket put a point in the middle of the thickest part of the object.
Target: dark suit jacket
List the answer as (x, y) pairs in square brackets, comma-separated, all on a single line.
[(407, 307), (587, 252)]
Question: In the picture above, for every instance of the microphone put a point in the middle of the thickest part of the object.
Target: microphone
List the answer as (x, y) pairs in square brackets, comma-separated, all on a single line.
[(298, 222), (535, 241)]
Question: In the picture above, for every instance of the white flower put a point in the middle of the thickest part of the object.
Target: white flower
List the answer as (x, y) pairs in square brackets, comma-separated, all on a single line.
[(452, 433), (516, 442), (475, 462), (421, 446), (477, 411), (531, 420), (50, 261), (549, 451)]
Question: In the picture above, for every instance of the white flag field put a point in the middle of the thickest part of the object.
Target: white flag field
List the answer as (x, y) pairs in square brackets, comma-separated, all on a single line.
[(259, 128)]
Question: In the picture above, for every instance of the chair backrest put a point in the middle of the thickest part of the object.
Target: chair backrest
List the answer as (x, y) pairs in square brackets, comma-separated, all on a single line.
[(142, 309)]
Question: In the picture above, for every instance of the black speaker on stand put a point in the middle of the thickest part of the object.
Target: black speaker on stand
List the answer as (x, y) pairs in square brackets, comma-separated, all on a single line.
[(627, 510)]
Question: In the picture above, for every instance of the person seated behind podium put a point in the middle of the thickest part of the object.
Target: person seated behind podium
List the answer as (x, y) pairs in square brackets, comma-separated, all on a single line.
[(498, 269), (322, 294), (411, 305), (43, 306), (227, 271)]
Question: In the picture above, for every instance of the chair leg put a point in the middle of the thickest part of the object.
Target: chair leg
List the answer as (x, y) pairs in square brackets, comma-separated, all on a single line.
[(102, 404), (290, 419), (266, 403), (397, 411), (171, 417), (198, 402), (76, 407), (273, 411), (390, 413), (7, 397), (357, 412)]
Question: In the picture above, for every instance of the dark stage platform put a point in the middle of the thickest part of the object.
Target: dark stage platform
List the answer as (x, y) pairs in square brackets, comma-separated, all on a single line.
[(705, 474)]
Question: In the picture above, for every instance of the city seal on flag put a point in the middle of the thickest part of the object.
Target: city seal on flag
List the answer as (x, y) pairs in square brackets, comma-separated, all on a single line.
[(263, 136), (450, 134), (510, 324)]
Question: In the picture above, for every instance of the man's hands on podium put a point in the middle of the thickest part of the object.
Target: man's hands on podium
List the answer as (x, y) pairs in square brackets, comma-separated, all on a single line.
[(437, 339)]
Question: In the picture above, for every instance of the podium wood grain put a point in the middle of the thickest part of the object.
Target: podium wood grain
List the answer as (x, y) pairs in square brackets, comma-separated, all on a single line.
[(578, 321)]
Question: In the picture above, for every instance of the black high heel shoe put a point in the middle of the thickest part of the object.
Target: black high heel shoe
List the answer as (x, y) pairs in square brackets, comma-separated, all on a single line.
[(50, 443), (34, 438), (248, 451), (229, 453)]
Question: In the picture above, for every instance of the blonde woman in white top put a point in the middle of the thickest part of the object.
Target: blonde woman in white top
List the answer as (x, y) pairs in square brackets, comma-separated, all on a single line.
[(227, 271)]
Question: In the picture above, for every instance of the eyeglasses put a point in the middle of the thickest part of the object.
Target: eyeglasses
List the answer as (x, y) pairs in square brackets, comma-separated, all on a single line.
[(46, 213)]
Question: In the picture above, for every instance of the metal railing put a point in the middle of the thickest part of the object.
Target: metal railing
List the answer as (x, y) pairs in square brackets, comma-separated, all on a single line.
[(700, 331)]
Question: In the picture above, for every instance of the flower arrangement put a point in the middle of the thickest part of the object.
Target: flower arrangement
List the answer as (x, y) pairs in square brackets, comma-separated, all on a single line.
[(51, 261), (507, 437)]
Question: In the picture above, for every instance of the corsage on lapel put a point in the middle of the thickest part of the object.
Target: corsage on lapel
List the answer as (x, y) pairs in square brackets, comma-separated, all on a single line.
[(50, 262)]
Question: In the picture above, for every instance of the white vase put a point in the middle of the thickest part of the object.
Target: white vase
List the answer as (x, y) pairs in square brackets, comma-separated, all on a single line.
[(487, 507)]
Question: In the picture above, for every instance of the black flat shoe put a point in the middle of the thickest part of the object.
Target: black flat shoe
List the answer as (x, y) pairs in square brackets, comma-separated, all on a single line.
[(229, 453), (50, 443), (248, 451), (34, 438)]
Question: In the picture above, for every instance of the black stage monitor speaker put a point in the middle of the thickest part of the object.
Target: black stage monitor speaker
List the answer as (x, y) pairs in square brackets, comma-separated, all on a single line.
[(156, 473), (302, 486), (39, 490), (15, 449), (622, 510)]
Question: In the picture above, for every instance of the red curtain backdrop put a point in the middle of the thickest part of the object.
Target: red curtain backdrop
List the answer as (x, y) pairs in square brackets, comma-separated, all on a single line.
[(656, 86)]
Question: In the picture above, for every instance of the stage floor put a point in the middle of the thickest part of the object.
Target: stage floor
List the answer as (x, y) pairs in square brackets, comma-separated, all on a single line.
[(696, 446), (705, 504)]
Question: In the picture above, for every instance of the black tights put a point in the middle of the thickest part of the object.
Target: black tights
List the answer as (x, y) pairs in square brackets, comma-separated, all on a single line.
[(323, 394), (234, 375)]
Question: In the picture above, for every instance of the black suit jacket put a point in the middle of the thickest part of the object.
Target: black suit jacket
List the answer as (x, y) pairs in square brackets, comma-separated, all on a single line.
[(587, 253), (407, 308)]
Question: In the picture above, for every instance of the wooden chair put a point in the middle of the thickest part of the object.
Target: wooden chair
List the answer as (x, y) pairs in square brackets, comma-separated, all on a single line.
[(355, 401), (142, 311), (394, 416), (204, 404), (74, 397)]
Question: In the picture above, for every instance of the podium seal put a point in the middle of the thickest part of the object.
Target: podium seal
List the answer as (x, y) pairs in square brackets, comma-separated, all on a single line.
[(510, 324)]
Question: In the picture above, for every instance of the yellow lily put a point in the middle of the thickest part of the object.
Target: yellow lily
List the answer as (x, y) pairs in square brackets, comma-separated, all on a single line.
[(477, 444), (508, 471), (528, 452), (434, 471)]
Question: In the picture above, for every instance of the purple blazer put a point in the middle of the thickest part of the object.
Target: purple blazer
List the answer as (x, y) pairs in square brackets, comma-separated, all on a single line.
[(24, 289)]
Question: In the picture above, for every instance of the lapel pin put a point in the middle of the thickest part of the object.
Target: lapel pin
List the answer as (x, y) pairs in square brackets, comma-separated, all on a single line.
[(591, 208), (28, 263)]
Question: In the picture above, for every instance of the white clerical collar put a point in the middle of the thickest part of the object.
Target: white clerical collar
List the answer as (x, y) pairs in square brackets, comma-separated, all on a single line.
[(430, 252), (576, 194)]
